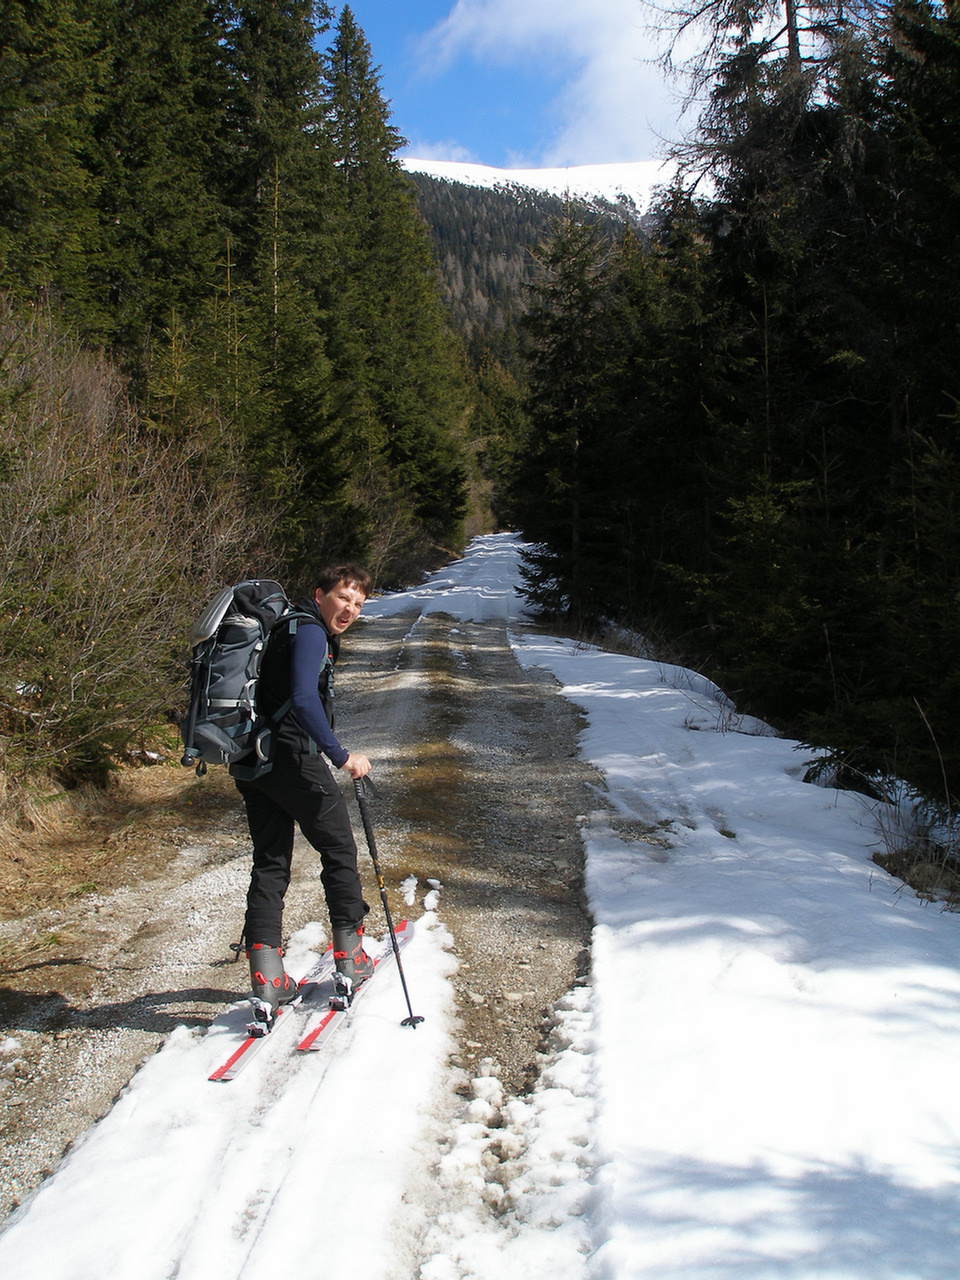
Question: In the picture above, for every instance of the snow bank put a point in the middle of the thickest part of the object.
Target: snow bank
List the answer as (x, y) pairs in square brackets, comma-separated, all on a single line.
[(777, 1022)]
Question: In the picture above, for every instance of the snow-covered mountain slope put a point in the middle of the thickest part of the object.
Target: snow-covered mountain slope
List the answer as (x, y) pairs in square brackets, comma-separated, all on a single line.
[(636, 179)]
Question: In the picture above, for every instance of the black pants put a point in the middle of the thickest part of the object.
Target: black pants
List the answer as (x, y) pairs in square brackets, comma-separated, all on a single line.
[(298, 789)]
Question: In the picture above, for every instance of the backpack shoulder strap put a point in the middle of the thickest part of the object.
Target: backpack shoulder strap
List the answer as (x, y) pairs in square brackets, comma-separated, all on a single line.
[(291, 621)]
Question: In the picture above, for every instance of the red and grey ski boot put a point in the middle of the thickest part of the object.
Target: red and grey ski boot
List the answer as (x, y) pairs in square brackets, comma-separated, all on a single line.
[(272, 985), (352, 962)]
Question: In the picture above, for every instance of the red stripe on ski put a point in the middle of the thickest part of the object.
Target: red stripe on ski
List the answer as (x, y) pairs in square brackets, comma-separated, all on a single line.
[(234, 1057), (311, 1035), (324, 1028), (229, 1069), (251, 1045)]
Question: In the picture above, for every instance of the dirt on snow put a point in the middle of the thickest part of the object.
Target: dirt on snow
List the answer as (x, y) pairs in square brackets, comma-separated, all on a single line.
[(479, 787)]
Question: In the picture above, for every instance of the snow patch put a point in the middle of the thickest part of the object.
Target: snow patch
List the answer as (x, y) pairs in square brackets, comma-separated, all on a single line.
[(515, 1177)]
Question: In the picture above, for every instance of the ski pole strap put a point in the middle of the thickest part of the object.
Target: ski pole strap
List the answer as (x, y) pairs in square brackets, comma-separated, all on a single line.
[(365, 787)]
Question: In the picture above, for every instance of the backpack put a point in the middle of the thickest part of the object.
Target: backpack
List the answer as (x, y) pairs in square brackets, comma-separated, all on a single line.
[(222, 724)]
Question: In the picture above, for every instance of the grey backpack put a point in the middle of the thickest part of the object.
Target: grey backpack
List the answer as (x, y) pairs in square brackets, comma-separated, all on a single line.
[(222, 724)]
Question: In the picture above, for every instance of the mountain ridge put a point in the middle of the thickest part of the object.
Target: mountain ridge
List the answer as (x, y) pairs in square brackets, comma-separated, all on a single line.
[(634, 180), (486, 237)]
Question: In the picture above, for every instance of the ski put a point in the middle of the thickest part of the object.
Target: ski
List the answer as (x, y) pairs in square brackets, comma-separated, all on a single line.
[(342, 1002), (258, 1033)]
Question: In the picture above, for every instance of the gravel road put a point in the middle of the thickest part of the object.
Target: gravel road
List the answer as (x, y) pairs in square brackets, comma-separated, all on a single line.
[(479, 787)]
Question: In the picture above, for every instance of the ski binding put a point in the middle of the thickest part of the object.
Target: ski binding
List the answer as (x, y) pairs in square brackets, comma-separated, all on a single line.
[(264, 1017), (343, 992)]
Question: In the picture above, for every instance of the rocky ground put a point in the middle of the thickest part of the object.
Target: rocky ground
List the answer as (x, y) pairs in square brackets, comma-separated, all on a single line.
[(478, 787)]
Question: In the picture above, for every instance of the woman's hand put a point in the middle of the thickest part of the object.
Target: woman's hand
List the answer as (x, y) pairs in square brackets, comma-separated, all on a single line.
[(357, 766)]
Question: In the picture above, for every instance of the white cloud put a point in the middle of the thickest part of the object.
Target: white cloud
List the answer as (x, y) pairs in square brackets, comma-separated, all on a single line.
[(452, 151), (615, 105)]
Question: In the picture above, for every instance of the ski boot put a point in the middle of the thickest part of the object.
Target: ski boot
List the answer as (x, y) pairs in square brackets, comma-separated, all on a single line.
[(272, 985), (353, 965)]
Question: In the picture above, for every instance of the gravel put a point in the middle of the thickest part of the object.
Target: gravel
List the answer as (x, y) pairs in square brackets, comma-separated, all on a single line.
[(479, 790)]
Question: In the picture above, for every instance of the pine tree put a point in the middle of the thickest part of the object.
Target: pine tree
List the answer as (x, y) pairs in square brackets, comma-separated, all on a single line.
[(271, 125), (277, 185), (674, 339), (560, 496), (499, 431), (829, 203)]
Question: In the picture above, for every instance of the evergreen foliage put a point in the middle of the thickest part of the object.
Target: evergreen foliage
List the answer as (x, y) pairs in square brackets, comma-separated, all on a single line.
[(404, 367), (153, 160), (51, 70), (500, 434), (750, 437), (219, 204), (571, 437), (208, 195), (486, 243)]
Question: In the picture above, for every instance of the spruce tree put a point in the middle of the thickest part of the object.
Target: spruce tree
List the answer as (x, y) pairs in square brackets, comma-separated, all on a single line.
[(271, 120), (672, 338), (560, 492), (393, 349), (51, 73), (157, 137), (281, 220)]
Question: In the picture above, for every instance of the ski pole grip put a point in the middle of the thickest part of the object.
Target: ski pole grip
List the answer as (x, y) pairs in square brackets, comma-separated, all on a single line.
[(360, 792)]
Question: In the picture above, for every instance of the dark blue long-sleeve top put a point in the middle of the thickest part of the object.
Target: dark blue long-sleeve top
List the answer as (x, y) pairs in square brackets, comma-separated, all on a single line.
[(309, 656)]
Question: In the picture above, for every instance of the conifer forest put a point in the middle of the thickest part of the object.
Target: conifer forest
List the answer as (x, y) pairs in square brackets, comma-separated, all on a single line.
[(232, 343), (743, 431)]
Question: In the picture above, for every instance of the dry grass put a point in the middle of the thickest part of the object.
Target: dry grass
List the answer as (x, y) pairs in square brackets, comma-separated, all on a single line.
[(920, 844), (56, 845), (934, 879)]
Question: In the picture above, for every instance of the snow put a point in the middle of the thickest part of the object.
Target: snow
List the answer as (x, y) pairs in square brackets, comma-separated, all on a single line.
[(480, 587), (634, 179), (757, 1081)]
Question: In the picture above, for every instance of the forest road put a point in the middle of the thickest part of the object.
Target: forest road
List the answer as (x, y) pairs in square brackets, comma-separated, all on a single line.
[(478, 787)]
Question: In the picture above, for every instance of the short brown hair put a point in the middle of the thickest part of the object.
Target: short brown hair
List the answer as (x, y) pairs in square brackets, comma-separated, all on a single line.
[(353, 576)]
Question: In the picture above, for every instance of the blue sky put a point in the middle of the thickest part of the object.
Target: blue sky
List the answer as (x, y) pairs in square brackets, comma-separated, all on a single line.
[(516, 83)]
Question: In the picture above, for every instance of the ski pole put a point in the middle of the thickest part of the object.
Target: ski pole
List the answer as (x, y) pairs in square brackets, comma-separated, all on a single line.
[(359, 789)]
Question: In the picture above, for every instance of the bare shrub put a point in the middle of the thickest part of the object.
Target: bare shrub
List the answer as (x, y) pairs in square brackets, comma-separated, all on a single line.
[(111, 536)]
